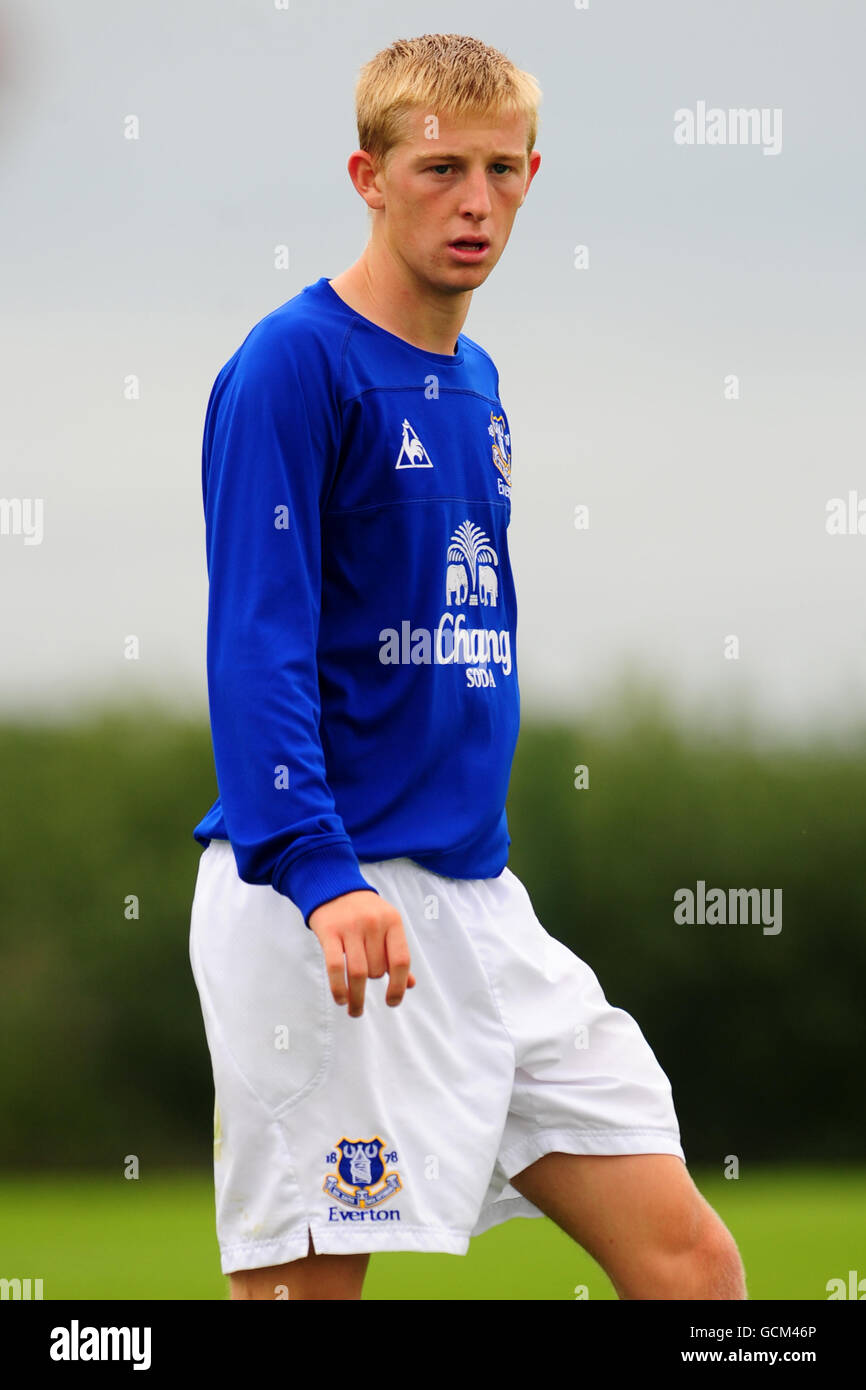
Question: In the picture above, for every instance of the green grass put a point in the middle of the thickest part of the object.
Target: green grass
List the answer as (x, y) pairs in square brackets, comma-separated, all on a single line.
[(94, 1237)]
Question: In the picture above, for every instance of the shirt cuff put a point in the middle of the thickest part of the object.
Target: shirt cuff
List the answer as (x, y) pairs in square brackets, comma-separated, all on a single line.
[(320, 875)]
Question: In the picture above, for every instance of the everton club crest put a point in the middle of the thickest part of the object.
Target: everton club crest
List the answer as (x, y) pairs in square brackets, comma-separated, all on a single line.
[(501, 445), (361, 1180)]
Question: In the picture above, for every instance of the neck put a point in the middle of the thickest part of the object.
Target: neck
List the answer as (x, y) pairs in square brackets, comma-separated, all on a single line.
[(385, 290)]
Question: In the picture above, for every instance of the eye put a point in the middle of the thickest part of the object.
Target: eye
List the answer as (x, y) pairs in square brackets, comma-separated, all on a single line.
[(443, 169)]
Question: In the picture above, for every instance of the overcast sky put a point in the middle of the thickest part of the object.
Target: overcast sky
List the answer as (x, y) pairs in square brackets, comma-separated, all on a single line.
[(706, 261)]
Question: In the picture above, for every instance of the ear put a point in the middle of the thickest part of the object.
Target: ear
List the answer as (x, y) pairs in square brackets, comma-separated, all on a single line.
[(364, 174)]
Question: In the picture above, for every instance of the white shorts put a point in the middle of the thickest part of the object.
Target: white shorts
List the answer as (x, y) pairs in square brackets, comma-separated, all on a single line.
[(400, 1130)]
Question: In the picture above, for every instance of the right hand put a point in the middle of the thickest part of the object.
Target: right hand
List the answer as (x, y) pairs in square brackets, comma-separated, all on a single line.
[(362, 938)]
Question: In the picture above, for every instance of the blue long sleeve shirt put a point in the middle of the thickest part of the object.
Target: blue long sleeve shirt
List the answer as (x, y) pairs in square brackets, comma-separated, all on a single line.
[(362, 622)]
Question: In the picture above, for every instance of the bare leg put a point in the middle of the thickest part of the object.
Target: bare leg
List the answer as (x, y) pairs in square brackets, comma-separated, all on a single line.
[(642, 1218), (313, 1277)]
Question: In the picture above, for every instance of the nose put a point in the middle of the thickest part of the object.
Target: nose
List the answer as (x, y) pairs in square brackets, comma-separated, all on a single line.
[(475, 195)]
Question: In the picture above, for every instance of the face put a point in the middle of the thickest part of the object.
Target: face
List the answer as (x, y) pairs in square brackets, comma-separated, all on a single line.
[(466, 184)]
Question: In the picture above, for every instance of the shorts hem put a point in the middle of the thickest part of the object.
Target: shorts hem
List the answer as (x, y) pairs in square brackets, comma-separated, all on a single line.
[(504, 1209), (421, 1239), (602, 1142)]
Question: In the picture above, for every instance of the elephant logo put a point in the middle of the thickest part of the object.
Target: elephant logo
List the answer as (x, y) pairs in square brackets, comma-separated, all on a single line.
[(471, 576), (456, 584), (488, 585)]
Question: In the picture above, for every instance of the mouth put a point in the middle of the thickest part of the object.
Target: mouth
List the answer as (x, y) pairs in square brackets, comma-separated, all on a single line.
[(469, 248)]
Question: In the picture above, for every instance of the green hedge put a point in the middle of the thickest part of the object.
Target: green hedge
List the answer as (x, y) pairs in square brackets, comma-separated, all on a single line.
[(762, 1036)]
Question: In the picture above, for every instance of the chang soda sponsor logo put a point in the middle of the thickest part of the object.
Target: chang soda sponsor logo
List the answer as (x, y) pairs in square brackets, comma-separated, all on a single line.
[(471, 573), (471, 581)]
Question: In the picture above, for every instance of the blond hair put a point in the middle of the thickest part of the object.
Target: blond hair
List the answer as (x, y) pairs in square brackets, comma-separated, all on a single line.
[(442, 74)]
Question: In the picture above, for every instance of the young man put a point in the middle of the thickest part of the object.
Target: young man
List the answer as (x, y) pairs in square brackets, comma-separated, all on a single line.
[(364, 711)]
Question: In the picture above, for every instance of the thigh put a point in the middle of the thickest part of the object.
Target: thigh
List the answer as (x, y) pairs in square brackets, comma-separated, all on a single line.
[(623, 1209)]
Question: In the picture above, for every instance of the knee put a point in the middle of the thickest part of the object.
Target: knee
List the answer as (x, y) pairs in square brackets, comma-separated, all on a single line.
[(704, 1265), (695, 1259)]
